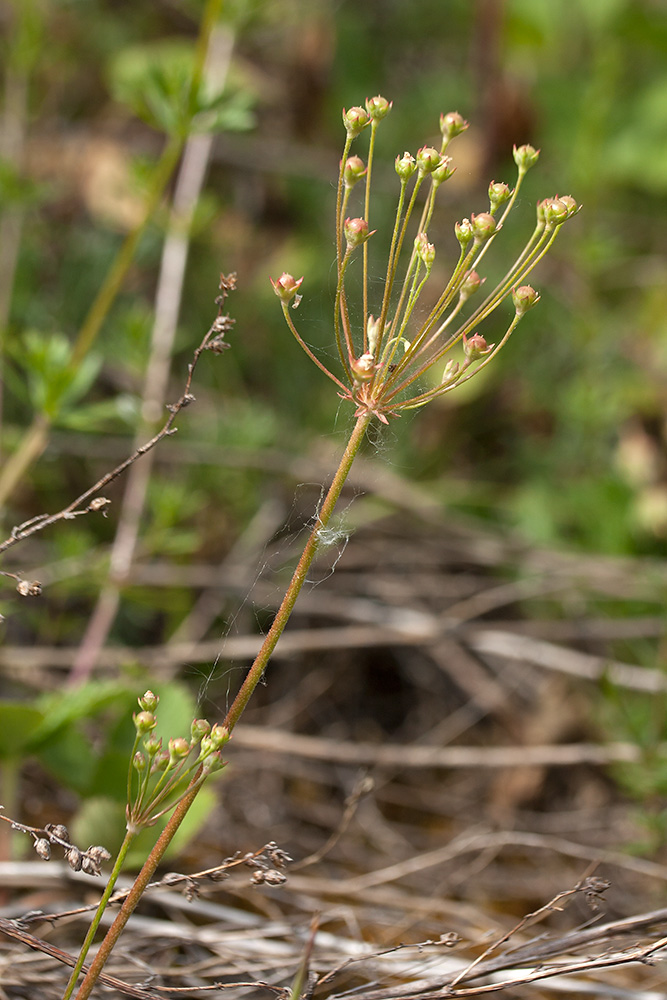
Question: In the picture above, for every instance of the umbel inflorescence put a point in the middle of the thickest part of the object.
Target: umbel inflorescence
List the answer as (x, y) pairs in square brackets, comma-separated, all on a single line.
[(385, 356)]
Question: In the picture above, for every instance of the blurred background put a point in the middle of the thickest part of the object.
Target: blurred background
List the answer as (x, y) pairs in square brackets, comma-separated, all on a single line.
[(558, 447)]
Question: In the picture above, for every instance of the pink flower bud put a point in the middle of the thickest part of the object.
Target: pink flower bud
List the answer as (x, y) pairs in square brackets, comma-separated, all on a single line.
[(476, 347), (213, 762), (286, 286), (452, 124), (356, 232), (525, 157), (139, 762), (378, 107), (353, 171), (425, 250), (524, 298), (405, 166), (355, 120), (483, 226), (428, 159)]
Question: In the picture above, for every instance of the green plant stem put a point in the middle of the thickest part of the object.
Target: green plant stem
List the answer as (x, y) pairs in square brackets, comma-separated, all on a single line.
[(233, 715), (92, 930)]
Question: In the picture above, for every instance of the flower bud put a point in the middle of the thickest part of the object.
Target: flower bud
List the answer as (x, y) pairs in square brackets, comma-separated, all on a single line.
[(483, 226), (161, 762), (443, 172), (200, 727), (43, 848), (378, 107), (476, 347), (570, 203), (405, 166), (213, 762), (471, 282), (353, 171), (286, 286), (451, 372), (219, 736), (148, 702), (355, 120), (525, 157), (364, 367), (452, 124), (356, 232), (139, 762), (552, 211), (524, 298), (425, 250), (428, 159), (144, 722), (372, 333), (499, 193), (178, 749), (464, 232), (98, 854), (152, 745)]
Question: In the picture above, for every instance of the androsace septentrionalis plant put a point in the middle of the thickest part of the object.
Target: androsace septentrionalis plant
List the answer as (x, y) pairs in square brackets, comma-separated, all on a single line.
[(387, 359)]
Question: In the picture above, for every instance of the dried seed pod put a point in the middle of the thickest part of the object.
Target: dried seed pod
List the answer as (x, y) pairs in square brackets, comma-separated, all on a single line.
[(74, 858), (274, 877), (58, 830), (43, 848), (89, 866), (98, 854)]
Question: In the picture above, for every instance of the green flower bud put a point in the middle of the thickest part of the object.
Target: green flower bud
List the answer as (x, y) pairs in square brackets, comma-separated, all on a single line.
[(499, 193), (178, 749), (219, 736), (483, 226), (428, 159), (552, 211), (353, 171), (372, 333), (161, 762), (144, 722), (570, 203), (452, 124), (464, 232), (152, 745), (451, 372), (355, 120), (443, 172), (405, 166), (524, 298), (213, 762), (148, 702), (200, 727), (139, 761), (378, 107), (525, 157), (286, 286)]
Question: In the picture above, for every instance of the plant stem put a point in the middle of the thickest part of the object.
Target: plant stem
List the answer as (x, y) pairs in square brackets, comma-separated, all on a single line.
[(233, 715), (92, 930)]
